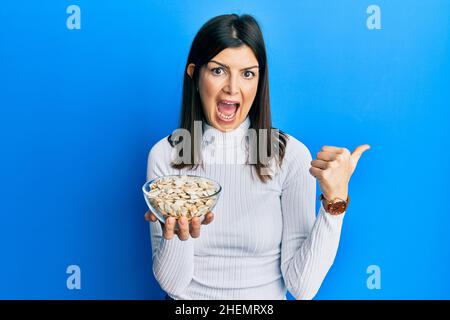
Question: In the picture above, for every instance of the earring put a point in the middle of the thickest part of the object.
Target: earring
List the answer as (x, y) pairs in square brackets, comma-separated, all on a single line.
[(197, 89)]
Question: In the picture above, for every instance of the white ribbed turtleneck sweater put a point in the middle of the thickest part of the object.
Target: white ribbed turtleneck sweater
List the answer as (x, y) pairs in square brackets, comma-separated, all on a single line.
[(265, 237)]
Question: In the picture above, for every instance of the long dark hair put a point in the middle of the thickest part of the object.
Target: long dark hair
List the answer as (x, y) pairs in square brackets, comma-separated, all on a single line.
[(217, 34)]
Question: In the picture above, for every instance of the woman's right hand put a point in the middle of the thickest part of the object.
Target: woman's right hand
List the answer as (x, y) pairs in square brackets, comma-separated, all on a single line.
[(184, 227)]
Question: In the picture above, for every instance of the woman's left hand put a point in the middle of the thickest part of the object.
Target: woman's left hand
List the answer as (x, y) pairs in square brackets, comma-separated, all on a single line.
[(333, 168)]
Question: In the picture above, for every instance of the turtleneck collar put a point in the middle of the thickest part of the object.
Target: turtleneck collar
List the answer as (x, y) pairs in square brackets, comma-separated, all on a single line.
[(230, 138)]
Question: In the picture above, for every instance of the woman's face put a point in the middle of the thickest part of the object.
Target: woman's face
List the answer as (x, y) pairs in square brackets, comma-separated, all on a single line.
[(227, 87)]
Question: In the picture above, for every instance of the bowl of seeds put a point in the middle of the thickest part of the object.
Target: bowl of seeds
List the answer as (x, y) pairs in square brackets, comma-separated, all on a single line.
[(181, 196)]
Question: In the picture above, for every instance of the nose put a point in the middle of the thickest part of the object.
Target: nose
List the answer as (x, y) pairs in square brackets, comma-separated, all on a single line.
[(232, 86)]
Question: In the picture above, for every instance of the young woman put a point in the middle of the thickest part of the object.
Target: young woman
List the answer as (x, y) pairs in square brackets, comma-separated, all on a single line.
[(265, 238)]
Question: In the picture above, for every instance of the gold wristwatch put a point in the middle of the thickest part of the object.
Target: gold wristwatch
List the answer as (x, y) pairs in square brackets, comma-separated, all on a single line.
[(335, 206)]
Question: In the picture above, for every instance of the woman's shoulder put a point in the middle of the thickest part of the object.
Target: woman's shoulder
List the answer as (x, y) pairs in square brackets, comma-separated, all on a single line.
[(297, 159), (160, 150), (296, 150)]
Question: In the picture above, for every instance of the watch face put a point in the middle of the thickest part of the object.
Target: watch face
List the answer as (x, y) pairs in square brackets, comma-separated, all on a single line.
[(338, 207)]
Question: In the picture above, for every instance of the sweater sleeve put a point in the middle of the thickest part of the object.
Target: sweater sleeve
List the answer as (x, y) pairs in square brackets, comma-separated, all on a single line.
[(309, 244), (173, 260)]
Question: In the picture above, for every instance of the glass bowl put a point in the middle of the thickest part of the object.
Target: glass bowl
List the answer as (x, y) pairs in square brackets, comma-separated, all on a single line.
[(181, 195)]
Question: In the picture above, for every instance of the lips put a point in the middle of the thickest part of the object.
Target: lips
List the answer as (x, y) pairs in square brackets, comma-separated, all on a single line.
[(226, 110)]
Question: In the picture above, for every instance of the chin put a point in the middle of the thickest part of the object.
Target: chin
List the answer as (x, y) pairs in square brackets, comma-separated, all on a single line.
[(227, 124)]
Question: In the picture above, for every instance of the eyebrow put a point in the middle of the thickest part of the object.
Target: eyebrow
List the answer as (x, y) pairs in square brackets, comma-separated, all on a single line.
[(225, 66)]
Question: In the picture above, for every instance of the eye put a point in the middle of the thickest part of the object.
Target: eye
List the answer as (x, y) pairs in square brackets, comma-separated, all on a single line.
[(249, 74), (217, 71)]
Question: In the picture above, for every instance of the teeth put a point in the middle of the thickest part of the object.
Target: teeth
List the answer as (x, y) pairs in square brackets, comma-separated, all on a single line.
[(229, 103), (225, 116)]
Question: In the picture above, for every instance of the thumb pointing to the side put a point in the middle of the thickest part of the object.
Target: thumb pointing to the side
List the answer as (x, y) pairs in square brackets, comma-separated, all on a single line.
[(356, 154)]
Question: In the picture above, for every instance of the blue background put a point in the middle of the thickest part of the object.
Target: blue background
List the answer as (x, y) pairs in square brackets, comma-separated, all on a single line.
[(80, 109)]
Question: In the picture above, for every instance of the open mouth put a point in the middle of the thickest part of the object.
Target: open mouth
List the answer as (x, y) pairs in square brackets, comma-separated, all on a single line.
[(227, 110)]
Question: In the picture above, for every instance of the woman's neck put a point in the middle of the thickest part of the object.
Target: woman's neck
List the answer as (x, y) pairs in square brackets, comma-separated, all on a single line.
[(232, 137)]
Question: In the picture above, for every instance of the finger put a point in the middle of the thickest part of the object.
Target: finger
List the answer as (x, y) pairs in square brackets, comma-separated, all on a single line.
[(149, 216), (209, 217), (326, 156), (183, 232), (321, 164), (356, 154), (194, 229), (332, 149), (153, 218), (315, 172), (168, 228)]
